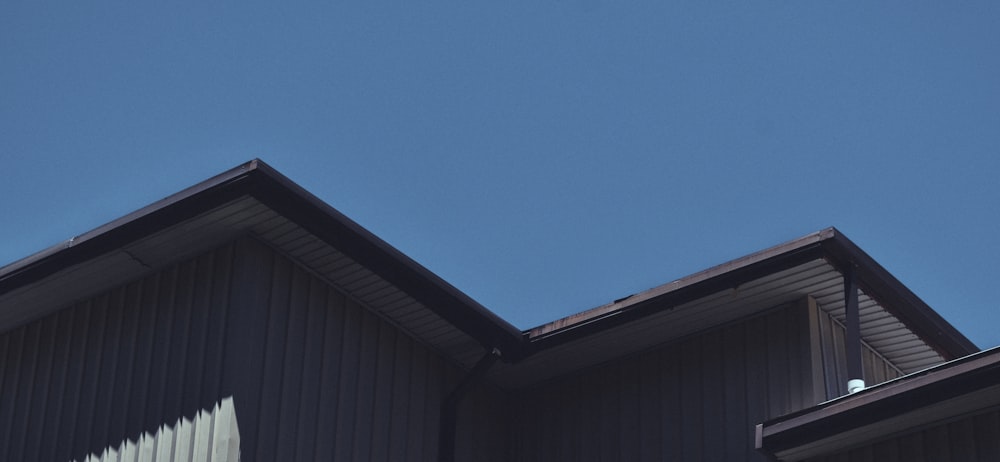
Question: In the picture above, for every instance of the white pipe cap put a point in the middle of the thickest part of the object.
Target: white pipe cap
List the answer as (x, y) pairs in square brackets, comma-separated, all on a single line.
[(855, 385)]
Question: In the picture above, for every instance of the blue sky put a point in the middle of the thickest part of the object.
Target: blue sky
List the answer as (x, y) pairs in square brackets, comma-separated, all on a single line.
[(543, 158)]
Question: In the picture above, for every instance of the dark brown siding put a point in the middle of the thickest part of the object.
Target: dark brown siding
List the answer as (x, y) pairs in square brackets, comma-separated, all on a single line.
[(111, 367), (337, 382), (696, 399), (313, 374), (973, 438)]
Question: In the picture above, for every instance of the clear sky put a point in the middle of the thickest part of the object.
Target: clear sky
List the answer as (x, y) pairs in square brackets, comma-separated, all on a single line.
[(543, 157)]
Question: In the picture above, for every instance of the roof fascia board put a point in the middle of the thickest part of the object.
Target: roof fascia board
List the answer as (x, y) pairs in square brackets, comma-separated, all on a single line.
[(257, 179), (882, 402), (177, 207), (693, 287), (896, 298), (829, 244), (291, 200), (275, 190)]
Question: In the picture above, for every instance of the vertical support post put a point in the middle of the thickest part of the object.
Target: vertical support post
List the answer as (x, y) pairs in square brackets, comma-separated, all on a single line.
[(855, 368)]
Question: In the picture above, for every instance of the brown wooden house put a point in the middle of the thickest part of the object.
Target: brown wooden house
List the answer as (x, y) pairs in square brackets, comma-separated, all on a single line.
[(243, 318)]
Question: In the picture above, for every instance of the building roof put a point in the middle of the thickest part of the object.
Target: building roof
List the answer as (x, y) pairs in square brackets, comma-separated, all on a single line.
[(894, 321), (255, 200), (934, 395)]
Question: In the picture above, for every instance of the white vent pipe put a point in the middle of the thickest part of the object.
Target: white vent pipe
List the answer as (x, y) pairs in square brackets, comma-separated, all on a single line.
[(855, 385)]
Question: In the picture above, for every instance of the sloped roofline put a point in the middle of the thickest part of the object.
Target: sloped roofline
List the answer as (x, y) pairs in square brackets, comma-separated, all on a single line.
[(829, 244), (262, 182), (255, 178)]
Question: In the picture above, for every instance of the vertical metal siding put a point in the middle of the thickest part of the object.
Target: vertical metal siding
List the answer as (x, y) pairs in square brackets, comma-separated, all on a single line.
[(314, 375), (696, 399), (338, 382), (969, 439), (112, 367)]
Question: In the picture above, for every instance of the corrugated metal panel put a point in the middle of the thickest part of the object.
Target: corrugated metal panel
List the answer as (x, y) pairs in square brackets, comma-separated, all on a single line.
[(211, 436), (118, 365), (338, 382), (972, 438), (696, 399)]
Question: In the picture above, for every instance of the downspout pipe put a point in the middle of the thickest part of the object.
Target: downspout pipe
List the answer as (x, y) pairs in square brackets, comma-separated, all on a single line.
[(449, 408)]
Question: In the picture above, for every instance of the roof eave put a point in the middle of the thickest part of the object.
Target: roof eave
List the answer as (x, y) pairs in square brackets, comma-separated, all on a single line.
[(267, 185), (899, 300), (666, 296), (829, 244), (177, 207), (918, 399)]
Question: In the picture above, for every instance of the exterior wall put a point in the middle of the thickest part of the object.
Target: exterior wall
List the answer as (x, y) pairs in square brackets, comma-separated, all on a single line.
[(830, 346), (111, 368), (972, 438), (696, 399), (312, 375), (334, 381)]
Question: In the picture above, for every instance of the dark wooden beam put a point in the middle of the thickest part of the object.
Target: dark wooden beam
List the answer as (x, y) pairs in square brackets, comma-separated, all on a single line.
[(855, 368)]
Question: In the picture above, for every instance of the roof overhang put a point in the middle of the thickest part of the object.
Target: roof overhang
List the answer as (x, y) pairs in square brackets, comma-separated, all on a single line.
[(829, 245), (254, 199), (955, 389), (894, 321)]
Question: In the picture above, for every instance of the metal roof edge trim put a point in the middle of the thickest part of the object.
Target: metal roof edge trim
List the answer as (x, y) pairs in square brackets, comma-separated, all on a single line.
[(259, 180), (880, 402), (319, 218), (266, 184), (829, 243), (726, 275), (175, 207), (881, 285), (662, 289)]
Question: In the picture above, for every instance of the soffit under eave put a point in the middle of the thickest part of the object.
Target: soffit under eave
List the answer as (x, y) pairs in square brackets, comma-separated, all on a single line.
[(817, 278), (245, 216)]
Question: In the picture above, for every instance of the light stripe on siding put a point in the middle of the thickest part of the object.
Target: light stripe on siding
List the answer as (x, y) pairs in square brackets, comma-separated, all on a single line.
[(211, 436)]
